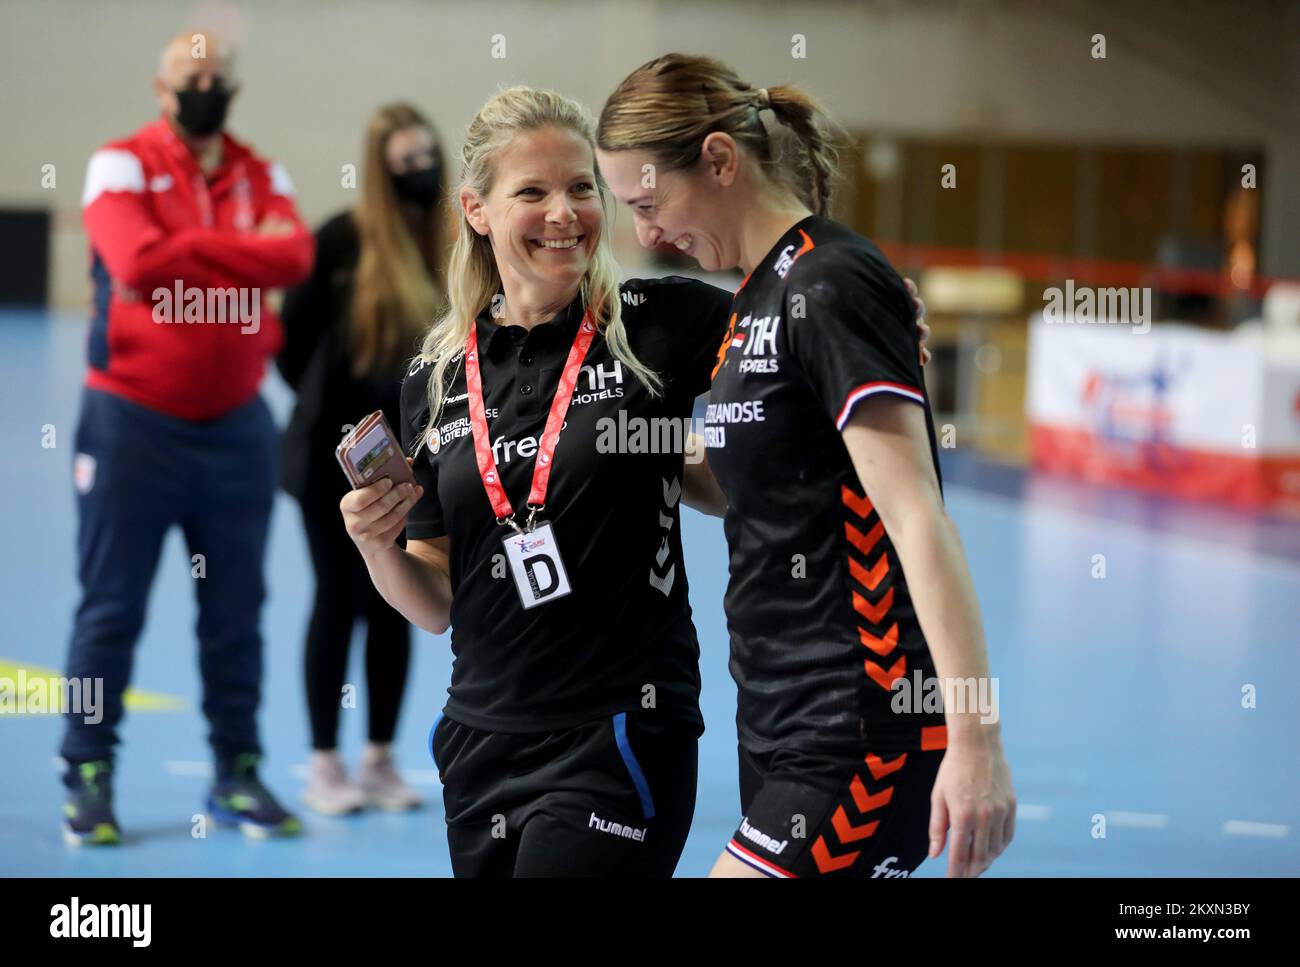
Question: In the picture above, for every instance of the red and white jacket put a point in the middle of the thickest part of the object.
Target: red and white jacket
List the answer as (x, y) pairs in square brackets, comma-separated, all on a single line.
[(159, 229)]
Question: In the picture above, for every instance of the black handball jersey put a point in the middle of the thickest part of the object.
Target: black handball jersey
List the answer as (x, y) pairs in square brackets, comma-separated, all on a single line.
[(818, 608), (622, 639)]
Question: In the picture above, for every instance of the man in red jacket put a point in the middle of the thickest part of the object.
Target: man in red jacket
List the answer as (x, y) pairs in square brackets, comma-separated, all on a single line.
[(188, 230)]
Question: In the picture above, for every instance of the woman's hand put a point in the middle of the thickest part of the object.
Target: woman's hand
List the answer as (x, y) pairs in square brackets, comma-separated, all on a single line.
[(972, 794), (922, 330), (376, 514)]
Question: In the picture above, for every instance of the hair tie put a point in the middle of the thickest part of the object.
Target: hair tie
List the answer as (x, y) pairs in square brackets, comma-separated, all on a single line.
[(764, 100)]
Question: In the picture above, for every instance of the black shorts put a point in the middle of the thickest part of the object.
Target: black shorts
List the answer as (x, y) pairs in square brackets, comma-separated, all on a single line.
[(811, 815), (613, 797)]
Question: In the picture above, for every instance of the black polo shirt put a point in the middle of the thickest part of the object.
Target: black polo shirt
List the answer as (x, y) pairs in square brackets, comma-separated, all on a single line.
[(818, 607), (623, 639)]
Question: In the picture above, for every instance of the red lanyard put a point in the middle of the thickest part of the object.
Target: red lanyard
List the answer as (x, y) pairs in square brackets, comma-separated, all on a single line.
[(487, 465)]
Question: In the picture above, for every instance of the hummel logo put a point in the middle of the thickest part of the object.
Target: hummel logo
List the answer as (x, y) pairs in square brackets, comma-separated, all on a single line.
[(761, 839), (616, 829)]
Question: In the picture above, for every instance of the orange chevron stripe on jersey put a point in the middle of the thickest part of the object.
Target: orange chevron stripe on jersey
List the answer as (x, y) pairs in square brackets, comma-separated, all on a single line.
[(866, 801), (881, 646), (829, 864), (875, 613), (934, 737), (847, 832), (885, 679), (845, 829), (870, 579), (864, 542), (861, 506), (880, 768)]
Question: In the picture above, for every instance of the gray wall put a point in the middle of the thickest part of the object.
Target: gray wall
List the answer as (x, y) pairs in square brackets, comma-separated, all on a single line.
[(77, 73)]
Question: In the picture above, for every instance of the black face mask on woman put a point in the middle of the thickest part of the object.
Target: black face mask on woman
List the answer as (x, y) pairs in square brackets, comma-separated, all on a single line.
[(203, 112), (418, 187)]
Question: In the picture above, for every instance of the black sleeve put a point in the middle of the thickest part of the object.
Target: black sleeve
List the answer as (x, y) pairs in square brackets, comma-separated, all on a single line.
[(695, 322), (309, 308), (851, 326), (425, 520)]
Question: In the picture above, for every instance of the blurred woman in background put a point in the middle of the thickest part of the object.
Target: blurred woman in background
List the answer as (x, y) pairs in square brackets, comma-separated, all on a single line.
[(375, 288)]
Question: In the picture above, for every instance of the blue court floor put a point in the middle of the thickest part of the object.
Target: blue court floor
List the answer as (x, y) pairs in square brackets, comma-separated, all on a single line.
[(1120, 696)]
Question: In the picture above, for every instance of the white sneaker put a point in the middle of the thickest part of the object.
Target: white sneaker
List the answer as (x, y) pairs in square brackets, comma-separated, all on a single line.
[(381, 784), (329, 790)]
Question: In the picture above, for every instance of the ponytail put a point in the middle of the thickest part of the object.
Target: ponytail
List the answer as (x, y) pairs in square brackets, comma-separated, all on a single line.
[(671, 104)]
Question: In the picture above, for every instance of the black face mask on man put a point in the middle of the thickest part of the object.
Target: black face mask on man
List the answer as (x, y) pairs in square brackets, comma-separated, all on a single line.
[(203, 113), (418, 187)]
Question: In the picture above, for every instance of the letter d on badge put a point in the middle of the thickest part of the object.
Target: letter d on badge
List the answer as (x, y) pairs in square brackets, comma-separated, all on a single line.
[(536, 566)]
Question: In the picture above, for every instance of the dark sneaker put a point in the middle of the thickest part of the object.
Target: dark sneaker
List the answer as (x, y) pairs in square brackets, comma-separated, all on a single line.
[(88, 818), (240, 799)]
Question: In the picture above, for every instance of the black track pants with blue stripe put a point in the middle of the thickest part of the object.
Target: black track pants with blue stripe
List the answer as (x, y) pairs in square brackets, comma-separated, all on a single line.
[(611, 797)]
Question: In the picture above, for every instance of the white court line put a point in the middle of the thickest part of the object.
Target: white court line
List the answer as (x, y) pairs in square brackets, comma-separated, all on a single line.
[(1243, 827), (1137, 820), (189, 767), (1032, 812)]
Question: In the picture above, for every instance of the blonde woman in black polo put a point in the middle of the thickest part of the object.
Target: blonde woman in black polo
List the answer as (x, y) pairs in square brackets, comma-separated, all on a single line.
[(568, 743)]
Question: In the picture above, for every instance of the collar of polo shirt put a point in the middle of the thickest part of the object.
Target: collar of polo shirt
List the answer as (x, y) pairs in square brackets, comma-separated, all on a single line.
[(499, 339)]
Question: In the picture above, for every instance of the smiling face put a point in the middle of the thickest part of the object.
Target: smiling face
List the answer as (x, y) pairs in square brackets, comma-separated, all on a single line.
[(687, 209), (542, 211)]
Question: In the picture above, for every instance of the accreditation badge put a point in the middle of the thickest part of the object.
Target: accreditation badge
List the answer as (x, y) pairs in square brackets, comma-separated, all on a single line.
[(536, 566)]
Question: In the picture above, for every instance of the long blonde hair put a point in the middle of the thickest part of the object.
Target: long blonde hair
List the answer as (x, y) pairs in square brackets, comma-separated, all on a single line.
[(472, 276), (669, 105), (398, 282)]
